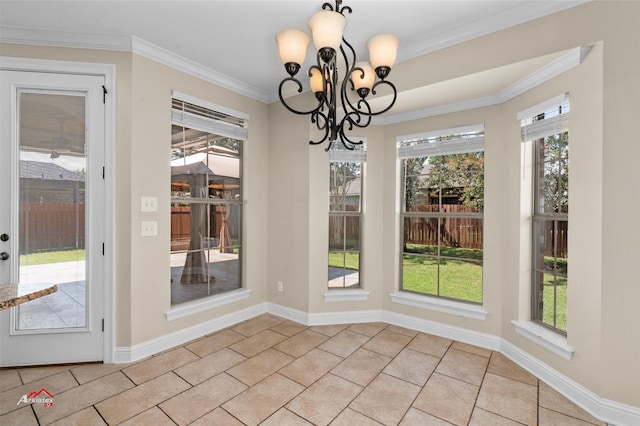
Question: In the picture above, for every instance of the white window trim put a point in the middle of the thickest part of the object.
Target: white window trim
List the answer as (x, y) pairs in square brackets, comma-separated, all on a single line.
[(548, 339), (543, 106), (340, 295), (452, 307), (437, 133), (357, 155), (200, 305), (343, 155), (427, 301)]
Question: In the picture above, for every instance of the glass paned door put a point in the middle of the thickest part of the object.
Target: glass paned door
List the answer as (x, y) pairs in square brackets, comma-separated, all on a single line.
[(51, 173), (52, 165)]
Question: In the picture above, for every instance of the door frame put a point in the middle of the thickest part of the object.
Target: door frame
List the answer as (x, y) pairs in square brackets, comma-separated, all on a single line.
[(108, 71)]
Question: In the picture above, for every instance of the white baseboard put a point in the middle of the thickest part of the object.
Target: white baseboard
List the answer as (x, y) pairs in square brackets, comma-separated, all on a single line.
[(137, 352), (463, 335), (606, 410), (612, 412), (324, 318)]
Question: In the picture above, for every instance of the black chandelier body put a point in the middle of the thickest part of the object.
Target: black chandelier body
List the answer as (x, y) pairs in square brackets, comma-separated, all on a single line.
[(330, 93)]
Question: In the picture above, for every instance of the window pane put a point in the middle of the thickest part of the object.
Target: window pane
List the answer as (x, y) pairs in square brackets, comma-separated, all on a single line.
[(204, 167), (550, 262), (421, 235), (461, 279), (433, 183), (344, 187), (552, 177), (461, 237), (344, 251), (420, 193), (201, 263), (206, 214), (420, 274)]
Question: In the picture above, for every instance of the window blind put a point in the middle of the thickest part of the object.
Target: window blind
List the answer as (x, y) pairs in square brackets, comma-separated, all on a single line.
[(457, 140), (545, 119), (195, 117), (358, 154)]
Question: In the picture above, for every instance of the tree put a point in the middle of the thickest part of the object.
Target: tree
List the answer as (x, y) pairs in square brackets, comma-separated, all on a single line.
[(413, 169), (461, 175), (554, 151)]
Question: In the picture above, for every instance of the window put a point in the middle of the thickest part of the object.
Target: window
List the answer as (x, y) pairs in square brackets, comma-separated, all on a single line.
[(206, 201), (547, 129), (442, 213), (345, 216)]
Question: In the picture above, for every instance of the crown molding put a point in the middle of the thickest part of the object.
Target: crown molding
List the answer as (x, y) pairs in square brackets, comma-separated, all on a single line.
[(572, 58), (151, 51), (70, 39), (470, 30), (135, 45)]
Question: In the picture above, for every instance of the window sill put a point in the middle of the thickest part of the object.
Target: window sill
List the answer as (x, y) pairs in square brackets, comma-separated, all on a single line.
[(358, 295), (544, 337), (197, 306), (440, 305)]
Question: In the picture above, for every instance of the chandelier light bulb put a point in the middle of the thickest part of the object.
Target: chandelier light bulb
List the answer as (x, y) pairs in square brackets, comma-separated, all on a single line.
[(326, 28), (382, 51), (363, 84), (316, 80), (292, 45)]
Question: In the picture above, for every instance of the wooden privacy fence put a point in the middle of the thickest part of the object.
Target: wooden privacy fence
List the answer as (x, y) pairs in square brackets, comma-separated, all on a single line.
[(449, 231), (51, 226), (453, 232), (556, 240), (181, 226)]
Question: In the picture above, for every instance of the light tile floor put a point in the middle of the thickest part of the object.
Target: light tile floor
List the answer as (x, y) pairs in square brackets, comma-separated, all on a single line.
[(272, 371)]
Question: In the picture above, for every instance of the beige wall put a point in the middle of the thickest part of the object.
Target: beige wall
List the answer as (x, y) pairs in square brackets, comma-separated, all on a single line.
[(143, 118), (150, 175), (286, 180), (604, 322)]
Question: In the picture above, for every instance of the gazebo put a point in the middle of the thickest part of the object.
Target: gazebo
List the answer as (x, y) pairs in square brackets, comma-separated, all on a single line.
[(204, 177)]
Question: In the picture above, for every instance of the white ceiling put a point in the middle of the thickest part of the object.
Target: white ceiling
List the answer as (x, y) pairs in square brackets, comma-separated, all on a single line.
[(235, 39)]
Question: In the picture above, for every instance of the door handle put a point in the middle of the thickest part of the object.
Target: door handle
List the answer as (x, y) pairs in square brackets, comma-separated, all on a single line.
[(4, 255), (4, 237)]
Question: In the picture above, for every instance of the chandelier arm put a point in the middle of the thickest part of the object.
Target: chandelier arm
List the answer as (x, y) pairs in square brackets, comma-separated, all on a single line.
[(328, 85), (355, 118), (286, 105), (327, 6), (350, 66), (344, 139), (393, 101), (316, 118)]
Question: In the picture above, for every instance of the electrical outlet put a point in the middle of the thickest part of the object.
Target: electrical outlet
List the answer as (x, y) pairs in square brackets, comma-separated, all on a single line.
[(280, 285), (149, 228), (149, 204)]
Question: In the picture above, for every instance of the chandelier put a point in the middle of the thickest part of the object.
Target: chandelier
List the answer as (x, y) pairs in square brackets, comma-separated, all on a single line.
[(359, 80)]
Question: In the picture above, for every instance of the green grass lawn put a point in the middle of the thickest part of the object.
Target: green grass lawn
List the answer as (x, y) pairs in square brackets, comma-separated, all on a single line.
[(339, 260), (561, 302), (56, 256), (458, 279)]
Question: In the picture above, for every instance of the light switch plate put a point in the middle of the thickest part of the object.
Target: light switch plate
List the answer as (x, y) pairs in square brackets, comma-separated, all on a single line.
[(149, 204)]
